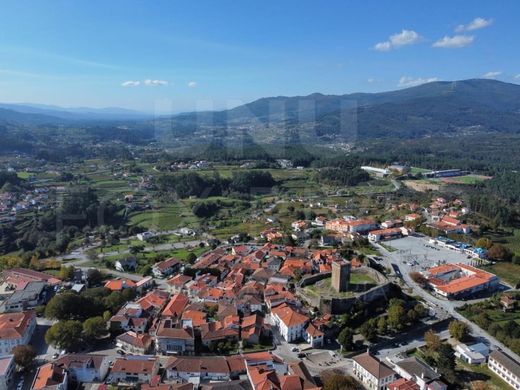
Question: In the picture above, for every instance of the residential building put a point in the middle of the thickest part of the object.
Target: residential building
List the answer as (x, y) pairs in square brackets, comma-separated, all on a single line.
[(166, 268), (505, 367), (199, 369), (16, 329), (373, 374), (84, 368), (402, 384), (125, 265), (133, 369), (7, 371), (291, 324), (171, 339), (135, 343), (418, 371), (473, 354), (50, 376)]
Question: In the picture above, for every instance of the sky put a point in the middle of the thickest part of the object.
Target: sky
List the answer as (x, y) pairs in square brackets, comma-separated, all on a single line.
[(171, 56)]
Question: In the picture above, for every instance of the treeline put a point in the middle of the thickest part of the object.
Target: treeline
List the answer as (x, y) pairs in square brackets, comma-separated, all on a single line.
[(201, 186), (51, 232), (341, 176)]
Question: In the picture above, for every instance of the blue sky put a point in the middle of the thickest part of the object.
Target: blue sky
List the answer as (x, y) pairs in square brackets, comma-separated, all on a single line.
[(183, 55)]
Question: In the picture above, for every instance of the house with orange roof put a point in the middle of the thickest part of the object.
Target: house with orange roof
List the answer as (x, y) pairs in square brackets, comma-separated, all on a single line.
[(50, 376), (135, 343), (119, 284), (291, 324), (154, 301), (313, 335), (387, 234), (133, 369), (173, 339), (166, 268), (16, 329), (130, 317), (194, 318), (175, 306), (178, 283)]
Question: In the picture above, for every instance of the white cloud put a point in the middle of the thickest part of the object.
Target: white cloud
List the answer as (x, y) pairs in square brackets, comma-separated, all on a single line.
[(406, 81), (454, 42), (517, 76), (491, 75), (192, 84), (371, 80), (155, 83), (131, 83), (475, 24), (404, 38)]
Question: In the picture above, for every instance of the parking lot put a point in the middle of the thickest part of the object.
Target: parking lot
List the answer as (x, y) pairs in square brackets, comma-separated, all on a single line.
[(419, 252)]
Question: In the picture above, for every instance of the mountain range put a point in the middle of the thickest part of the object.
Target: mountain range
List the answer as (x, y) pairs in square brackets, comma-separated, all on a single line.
[(437, 108)]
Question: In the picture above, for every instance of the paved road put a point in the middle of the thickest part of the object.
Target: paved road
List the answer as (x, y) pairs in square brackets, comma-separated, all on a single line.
[(445, 305)]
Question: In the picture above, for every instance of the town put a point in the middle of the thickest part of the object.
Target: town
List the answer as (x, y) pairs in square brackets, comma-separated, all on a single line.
[(314, 295)]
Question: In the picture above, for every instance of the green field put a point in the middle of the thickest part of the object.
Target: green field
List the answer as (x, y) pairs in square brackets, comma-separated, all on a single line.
[(416, 170), (467, 179), (323, 287), (508, 272)]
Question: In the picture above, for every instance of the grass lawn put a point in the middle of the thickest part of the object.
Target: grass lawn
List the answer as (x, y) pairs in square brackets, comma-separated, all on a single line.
[(23, 175), (415, 170), (508, 272), (470, 373), (324, 288), (467, 179), (389, 248)]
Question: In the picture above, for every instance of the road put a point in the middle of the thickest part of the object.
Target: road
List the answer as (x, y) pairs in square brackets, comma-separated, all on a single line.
[(444, 305)]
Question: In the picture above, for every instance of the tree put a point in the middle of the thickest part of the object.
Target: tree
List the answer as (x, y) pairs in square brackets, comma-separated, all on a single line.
[(72, 306), (94, 277), (418, 278), (24, 355), (458, 330), (484, 242), (412, 316), (445, 358), (396, 314), (336, 380), (66, 273), (65, 335), (368, 330), (420, 310), (433, 341), (94, 328), (499, 252), (191, 258), (346, 338), (382, 325), (135, 249)]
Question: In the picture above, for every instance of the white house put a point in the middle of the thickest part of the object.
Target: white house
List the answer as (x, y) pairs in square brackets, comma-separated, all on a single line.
[(198, 369), (133, 369), (16, 329), (84, 368), (7, 370), (290, 323), (472, 354), (145, 236), (505, 367), (373, 374)]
